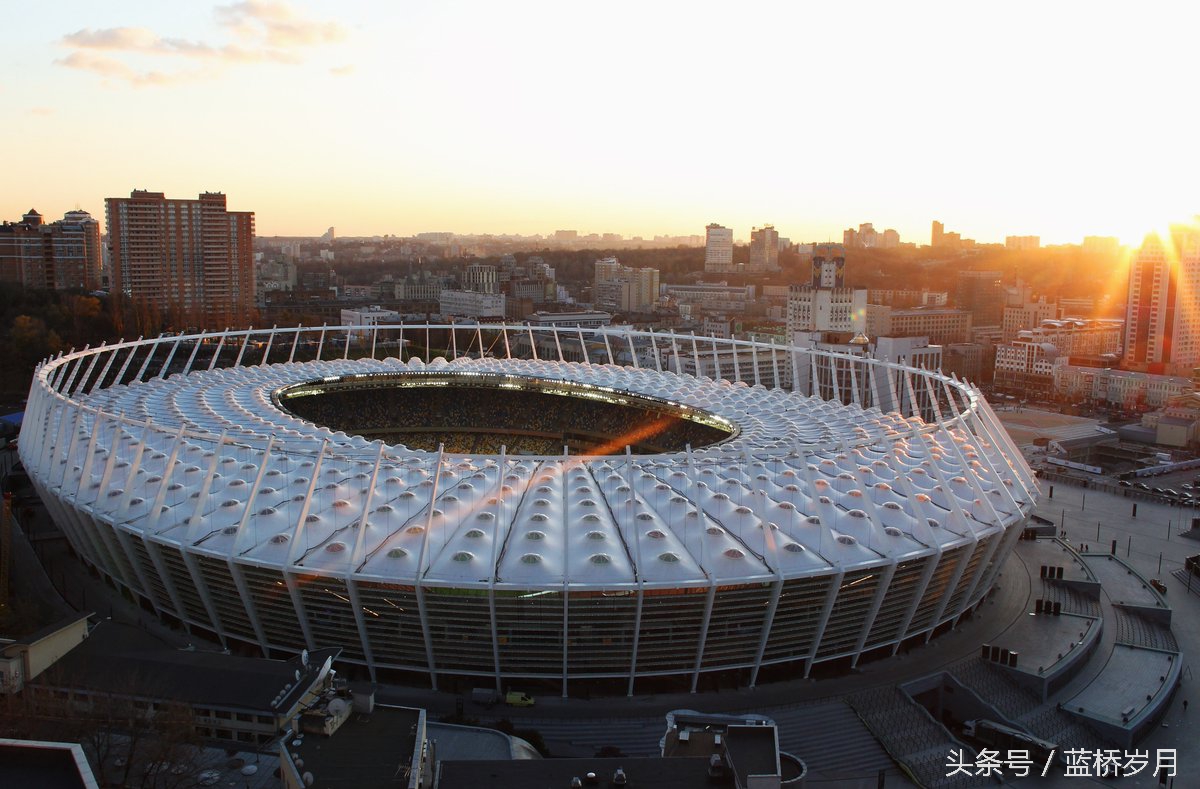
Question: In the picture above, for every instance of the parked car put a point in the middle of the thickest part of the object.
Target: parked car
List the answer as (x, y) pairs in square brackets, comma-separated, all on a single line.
[(516, 698)]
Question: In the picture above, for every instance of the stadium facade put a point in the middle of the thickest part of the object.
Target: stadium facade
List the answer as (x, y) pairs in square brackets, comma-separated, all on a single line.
[(845, 506)]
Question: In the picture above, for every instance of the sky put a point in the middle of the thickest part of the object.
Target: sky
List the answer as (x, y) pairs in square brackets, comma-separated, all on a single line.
[(1059, 119)]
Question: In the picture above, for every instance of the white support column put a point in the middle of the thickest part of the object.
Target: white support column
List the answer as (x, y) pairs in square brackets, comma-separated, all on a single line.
[(637, 635), (754, 358), (75, 368), (91, 365), (897, 406), (708, 607), (162, 372), (768, 623), (294, 552), (796, 372), (189, 561), (133, 348), (1008, 540), (507, 347), (295, 342), (889, 571), (160, 497), (833, 377), (873, 383), (76, 418), (124, 540), (85, 473), (453, 342), (931, 564), (270, 342), (775, 364), (955, 578), (360, 622), (187, 368), (737, 364), (374, 336), (716, 376), (146, 362), (122, 510), (321, 341), (50, 453), (835, 585), (855, 395), (196, 522), (633, 358), (212, 363), (243, 590), (608, 348), (99, 380), (675, 353), (242, 351), (532, 344), (989, 552), (420, 574), (346, 346), (557, 343), (492, 571), (654, 350), (155, 553), (289, 579), (240, 537), (695, 356)]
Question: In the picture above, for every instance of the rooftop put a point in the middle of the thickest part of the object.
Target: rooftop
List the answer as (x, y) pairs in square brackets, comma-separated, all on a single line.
[(126, 659), (46, 765), (372, 749)]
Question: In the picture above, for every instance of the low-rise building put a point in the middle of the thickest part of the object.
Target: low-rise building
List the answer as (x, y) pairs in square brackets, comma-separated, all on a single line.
[(1126, 389), (24, 658), (471, 304)]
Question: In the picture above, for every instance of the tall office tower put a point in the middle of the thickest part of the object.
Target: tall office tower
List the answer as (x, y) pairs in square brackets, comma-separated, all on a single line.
[(189, 262), (480, 278), (824, 303), (764, 250), (889, 239), (60, 255), (1162, 314), (939, 230), (850, 238), (718, 249), (982, 294), (868, 236)]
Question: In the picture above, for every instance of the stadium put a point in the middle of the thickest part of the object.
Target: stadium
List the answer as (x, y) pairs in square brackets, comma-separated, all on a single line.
[(561, 505)]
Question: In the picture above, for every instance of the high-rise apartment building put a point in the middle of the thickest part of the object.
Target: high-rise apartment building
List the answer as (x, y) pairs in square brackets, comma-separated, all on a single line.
[(718, 249), (60, 255), (982, 294), (764, 250), (1162, 316), (937, 236), (623, 289), (480, 278), (190, 261)]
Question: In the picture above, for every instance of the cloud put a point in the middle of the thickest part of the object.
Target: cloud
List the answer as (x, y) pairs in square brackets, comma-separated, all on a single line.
[(42, 112), (265, 31), (112, 68), (277, 24), (342, 71)]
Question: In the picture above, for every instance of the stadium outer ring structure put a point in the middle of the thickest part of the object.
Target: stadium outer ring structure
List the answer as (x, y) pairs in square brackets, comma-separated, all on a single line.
[(860, 503)]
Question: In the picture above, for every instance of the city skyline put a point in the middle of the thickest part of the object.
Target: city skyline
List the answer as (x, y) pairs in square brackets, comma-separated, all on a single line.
[(477, 119)]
